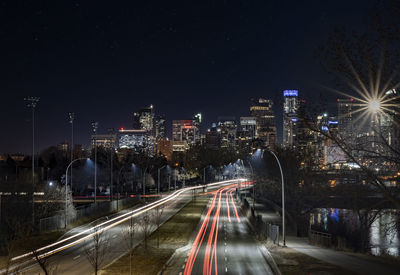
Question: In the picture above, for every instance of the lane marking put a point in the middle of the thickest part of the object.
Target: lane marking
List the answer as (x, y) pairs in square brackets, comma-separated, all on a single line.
[(76, 257)]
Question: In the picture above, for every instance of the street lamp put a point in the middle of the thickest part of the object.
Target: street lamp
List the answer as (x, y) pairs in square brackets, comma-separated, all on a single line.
[(184, 176), (32, 102), (374, 105), (159, 172), (175, 175), (66, 185), (118, 189), (204, 173), (111, 132), (144, 182), (252, 177), (283, 192), (71, 121), (283, 199), (94, 126)]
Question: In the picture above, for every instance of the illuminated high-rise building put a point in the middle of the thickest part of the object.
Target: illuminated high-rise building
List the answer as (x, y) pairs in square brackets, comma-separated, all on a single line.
[(261, 109), (346, 108), (137, 140), (290, 117), (143, 119), (187, 130), (228, 130), (247, 128), (159, 124)]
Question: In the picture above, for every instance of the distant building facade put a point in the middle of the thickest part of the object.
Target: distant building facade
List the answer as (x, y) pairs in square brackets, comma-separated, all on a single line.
[(261, 109), (143, 119), (160, 131), (186, 130), (290, 117), (346, 109), (227, 128)]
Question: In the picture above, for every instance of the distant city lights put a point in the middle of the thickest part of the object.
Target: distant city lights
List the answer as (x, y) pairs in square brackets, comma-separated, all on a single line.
[(290, 93)]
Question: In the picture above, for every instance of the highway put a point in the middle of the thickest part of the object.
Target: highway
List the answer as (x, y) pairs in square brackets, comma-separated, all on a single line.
[(69, 255), (224, 243)]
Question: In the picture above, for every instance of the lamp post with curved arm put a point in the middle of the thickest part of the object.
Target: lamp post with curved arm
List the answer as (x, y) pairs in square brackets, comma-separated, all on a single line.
[(159, 174), (283, 199), (66, 185)]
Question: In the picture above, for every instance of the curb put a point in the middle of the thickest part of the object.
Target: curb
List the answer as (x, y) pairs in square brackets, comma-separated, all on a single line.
[(264, 251)]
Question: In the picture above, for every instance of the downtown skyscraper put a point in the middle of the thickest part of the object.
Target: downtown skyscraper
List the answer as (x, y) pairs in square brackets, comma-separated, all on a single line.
[(290, 117), (261, 110)]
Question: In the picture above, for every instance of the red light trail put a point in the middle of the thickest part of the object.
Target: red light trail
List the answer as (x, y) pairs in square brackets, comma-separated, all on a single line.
[(210, 263)]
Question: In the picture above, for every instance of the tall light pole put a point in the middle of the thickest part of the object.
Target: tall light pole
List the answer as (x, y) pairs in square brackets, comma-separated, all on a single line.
[(283, 199), (184, 176), (118, 189), (32, 102), (204, 175), (95, 126), (66, 185), (111, 132), (71, 121), (254, 184), (144, 182), (175, 178), (159, 174)]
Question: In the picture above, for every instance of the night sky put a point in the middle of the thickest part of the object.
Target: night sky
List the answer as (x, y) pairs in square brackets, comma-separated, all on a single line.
[(105, 59)]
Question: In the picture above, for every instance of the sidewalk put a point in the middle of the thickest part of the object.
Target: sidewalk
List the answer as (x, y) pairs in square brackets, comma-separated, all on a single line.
[(357, 264), (362, 266)]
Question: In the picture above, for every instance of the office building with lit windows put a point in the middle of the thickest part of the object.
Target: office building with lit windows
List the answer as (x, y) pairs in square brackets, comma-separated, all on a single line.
[(290, 117), (261, 109)]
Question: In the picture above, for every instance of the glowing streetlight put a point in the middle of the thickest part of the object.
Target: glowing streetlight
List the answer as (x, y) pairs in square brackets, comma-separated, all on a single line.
[(95, 125), (259, 153), (71, 121), (32, 102), (159, 174), (66, 185), (374, 106)]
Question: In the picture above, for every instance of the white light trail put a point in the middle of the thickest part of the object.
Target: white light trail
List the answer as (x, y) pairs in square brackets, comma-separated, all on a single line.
[(117, 220)]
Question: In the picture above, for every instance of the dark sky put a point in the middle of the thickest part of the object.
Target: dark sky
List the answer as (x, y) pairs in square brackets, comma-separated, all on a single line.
[(105, 59)]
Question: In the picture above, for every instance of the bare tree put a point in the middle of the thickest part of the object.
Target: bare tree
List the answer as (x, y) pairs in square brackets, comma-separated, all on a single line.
[(19, 231), (129, 234), (157, 219), (146, 224), (44, 263), (96, 249)]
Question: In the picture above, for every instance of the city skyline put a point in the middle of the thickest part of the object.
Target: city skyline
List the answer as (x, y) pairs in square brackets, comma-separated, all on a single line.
[(108, 64)]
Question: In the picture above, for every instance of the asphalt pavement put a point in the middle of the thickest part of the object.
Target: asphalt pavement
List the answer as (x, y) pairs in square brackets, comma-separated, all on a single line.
[(69, 255), (224, 243)]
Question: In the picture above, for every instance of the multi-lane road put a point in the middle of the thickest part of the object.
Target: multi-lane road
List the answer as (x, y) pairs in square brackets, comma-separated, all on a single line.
[(224, 243), (68, 255)]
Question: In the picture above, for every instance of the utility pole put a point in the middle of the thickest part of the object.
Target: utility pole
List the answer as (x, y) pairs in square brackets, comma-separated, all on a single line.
[(71, 120), (32, 102), (95, 126)]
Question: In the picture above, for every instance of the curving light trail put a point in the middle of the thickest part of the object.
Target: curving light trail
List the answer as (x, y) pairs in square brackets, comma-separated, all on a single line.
[(210, 262), (113, 222)]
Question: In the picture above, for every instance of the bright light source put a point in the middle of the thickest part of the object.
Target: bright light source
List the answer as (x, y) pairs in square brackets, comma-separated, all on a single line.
[(374, 106), (51, 183)]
